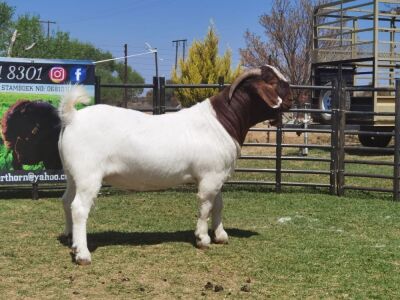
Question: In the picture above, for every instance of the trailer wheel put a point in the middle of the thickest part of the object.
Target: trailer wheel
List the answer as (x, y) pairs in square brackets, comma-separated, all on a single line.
[(325, 103), (371, 140)]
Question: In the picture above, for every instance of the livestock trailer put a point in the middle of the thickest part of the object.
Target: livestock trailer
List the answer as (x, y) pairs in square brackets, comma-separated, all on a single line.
[(361, 38)]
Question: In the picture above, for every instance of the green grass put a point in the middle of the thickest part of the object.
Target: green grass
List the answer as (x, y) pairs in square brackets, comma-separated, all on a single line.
[(142, 247)]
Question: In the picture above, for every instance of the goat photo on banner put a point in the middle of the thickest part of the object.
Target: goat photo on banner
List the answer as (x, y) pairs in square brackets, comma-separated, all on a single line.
[(30, 91)]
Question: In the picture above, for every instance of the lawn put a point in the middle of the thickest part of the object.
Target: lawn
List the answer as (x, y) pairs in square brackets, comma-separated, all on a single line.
[(300, 245)]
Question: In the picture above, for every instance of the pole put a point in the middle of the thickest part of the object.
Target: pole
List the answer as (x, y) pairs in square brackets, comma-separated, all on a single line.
[(48, 26), (304, 151), (396, 171), (278, 151), (156, 60), (183, 46), (156, 83), (126, 75), (341, 134), (158, 99), (35, 191), (334, 137), (176, 54), (156, 96), (97, 90), (177, 42), (162, 95), (221, 83)]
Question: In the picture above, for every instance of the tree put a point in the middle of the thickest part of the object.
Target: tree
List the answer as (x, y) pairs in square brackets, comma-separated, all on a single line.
[(203, 66), (29, 40), (288, 28), (6, 13)]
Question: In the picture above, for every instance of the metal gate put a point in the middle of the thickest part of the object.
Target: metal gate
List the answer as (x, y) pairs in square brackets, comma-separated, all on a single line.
[(342, 169)]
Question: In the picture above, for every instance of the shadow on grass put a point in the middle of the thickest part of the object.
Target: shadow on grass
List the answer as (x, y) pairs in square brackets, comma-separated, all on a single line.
[(102, 239), (371, 152)]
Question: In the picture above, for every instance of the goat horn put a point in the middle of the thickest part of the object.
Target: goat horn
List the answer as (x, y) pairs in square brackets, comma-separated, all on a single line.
[(245, 75)]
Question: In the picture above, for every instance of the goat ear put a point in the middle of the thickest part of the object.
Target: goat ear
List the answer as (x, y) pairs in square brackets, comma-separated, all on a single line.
[(268, 91), (275, 88)]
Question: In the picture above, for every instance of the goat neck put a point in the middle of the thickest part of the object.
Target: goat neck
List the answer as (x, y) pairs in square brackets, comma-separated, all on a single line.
[(243, 111)]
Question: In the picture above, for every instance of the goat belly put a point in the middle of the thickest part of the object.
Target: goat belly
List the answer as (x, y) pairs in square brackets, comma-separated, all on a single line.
[(141, 182), (132, 150)]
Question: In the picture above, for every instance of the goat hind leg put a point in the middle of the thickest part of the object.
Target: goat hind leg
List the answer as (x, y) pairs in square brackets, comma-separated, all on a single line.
[(80, 208), (67, 198)]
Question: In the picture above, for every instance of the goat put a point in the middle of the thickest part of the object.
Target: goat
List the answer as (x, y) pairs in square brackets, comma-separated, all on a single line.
[(31, 130), (137, 151)]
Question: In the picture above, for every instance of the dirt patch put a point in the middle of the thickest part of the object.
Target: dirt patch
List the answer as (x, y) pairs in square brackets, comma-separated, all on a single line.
[(265, 137)]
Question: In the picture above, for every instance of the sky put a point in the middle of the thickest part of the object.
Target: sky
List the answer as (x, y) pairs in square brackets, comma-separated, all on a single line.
[(108, 25)]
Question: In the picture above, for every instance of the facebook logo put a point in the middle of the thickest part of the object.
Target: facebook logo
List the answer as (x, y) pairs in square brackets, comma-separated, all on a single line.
[(77, 74)]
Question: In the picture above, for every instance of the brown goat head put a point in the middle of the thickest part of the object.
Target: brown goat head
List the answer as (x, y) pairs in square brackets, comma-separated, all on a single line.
[(272, 87)]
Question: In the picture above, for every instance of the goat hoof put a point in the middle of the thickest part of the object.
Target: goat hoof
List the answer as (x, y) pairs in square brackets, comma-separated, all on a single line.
[(221, 238), (203, 244), (83, 258), (221, 242), (83, 262)]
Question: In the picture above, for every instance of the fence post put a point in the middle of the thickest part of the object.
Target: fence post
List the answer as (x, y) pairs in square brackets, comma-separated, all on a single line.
[(221, 83), (162, 95), (334, 138), (304, 150), (341, 123), (156, 96), (278, 162), (97, 90), (35, 191), (396, 172)]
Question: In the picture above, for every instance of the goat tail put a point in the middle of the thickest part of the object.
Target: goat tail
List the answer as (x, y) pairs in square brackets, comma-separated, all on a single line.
[(77, 94)]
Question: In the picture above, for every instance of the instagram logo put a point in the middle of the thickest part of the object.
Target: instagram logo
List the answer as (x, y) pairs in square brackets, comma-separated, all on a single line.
[(57, 74)]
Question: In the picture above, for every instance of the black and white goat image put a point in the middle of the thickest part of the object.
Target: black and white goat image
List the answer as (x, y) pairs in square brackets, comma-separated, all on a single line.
[(137, 151), (30, 130)]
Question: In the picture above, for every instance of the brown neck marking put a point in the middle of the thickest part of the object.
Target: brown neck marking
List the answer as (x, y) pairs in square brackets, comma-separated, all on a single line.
[(243, 111)]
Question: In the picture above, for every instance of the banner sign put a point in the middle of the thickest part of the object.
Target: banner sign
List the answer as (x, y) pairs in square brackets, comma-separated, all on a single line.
[(30, 91), (21, 177)]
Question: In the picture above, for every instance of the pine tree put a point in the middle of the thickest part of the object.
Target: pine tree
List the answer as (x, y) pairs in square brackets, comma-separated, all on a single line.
[(203, 66)]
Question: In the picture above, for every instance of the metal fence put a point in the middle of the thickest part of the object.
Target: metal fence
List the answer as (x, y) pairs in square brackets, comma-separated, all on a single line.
[(341, 164)]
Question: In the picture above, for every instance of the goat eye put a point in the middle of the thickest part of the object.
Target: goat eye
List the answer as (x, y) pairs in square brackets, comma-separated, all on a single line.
[(274, 83)]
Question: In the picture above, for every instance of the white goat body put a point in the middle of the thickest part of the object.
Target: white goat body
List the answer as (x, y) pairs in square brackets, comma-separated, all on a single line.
[(133, 150)]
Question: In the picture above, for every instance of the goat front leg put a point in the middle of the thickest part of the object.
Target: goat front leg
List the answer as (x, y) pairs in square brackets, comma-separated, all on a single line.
[(220, 235), (207, 193)]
